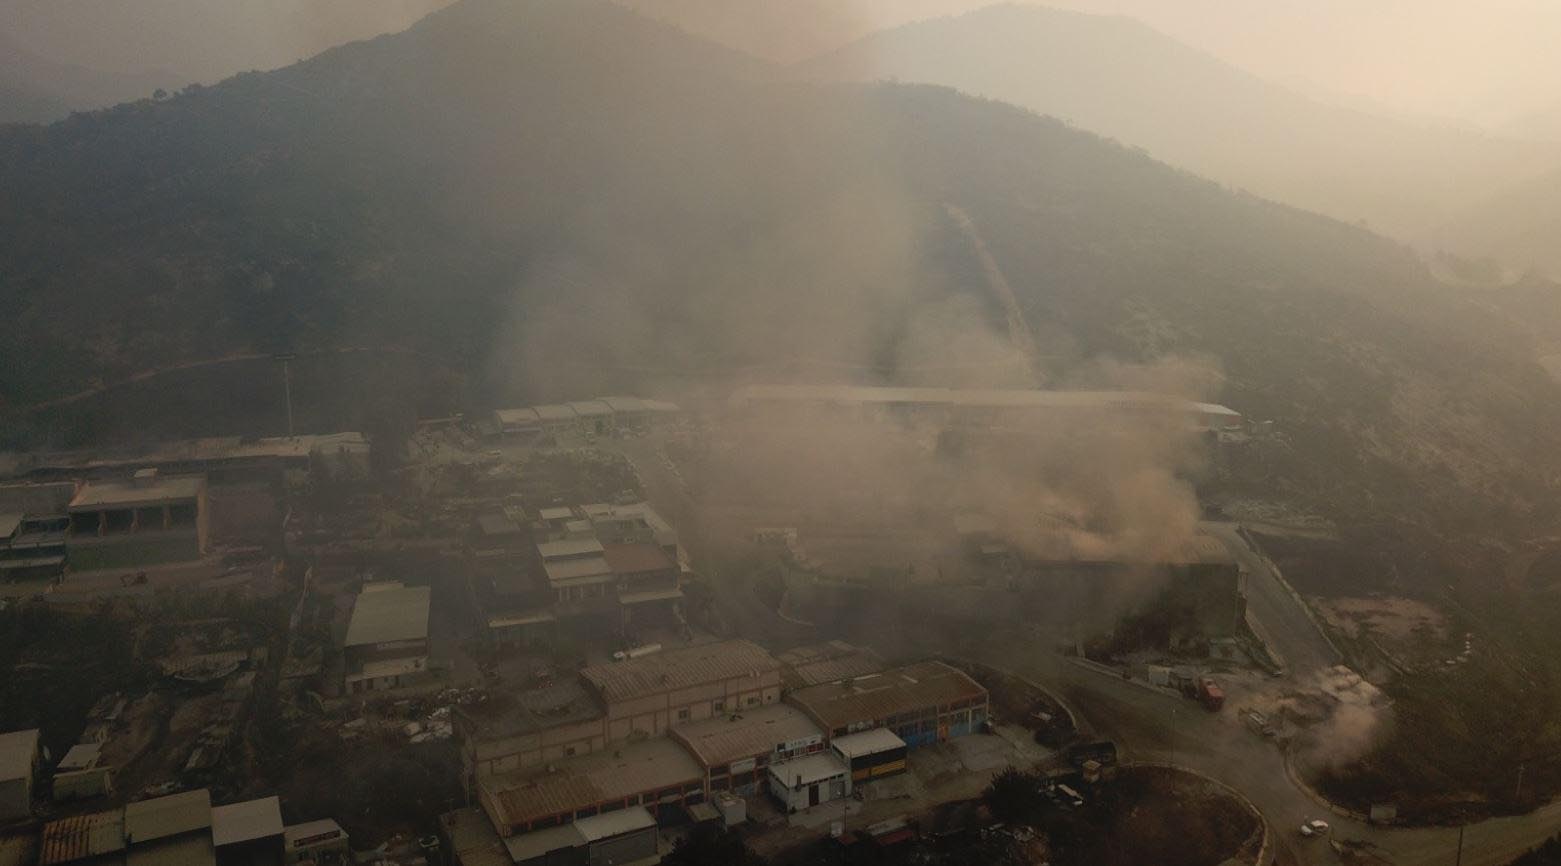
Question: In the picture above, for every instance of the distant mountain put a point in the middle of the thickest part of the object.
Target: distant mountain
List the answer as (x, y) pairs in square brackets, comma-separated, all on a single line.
[(1122, 79), (566, 195), (37, 90), (76, 55)]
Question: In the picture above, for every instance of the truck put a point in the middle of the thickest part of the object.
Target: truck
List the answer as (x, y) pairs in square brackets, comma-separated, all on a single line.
[(1210, 694)]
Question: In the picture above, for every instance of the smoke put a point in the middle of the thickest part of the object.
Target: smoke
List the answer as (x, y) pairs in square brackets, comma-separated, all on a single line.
[(1338, 715)]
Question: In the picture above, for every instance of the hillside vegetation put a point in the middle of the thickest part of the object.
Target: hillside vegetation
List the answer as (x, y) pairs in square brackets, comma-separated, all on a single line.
[(564, 198)]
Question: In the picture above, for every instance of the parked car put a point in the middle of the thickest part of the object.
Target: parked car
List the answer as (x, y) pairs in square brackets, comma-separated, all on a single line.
[(1315, 827)]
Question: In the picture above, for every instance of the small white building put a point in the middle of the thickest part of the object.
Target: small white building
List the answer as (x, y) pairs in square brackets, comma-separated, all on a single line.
[(81, 773), (804, 782), (314, 841)]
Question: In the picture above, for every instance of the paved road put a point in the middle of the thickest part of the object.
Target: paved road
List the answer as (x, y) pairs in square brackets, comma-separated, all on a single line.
[(1291, 633)]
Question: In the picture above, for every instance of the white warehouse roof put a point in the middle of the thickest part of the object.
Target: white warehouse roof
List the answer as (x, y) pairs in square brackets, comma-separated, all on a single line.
[(387, 613)]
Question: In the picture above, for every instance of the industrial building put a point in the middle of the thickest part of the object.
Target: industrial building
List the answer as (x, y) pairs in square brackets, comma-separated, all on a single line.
[(827, 662), (737, 749), (147, 519), (97, 839), (623, 838), (18, 762), (532, 728), (248, 833), (387, 637), (597, 416), (220, 458), (985, 407), (923, 703), (656, 773), (648, 695), (34, 526), (871, 754), (170, 831)]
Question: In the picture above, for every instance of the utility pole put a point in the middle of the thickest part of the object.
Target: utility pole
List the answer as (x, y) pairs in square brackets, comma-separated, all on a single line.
[(1461, 828), (287, 384)]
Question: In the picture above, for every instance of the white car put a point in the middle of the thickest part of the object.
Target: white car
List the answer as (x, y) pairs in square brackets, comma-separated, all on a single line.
[(1314, 827)]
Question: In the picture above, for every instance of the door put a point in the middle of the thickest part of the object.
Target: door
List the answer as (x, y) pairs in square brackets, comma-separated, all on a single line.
[(812, 795)]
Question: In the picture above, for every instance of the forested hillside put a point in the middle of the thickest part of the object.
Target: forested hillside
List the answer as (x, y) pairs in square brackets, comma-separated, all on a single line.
[(598, 201)]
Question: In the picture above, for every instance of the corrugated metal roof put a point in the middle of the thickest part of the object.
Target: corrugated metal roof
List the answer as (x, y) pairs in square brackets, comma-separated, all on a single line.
[(561, 512), (603, 776), (599, 827), (679, 669), (242, 822), (875, 697), (517, 417), (555, 412), (746, 734), (82, 836), (128, 493), (867, 743), (389, 614), (567, 548), (826, 663), (9, 521), (18, 750), (575, 569), (625, 404), (590, 408), (167, 816), (635, 558)]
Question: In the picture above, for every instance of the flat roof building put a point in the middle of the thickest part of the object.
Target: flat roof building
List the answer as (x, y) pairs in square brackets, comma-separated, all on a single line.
[(81, 773), (802, 783), (18, 761), (871, 754), (657, 774), (170, 831), (921, 703), (314, 842), (526, 730), (736, 749), (248, 833), (650, 694), (144, 520), (827, 663), (387, 636)]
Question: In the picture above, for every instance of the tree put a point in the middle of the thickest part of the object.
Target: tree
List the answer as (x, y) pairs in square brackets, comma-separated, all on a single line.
[(1015, 797), (710, 845)]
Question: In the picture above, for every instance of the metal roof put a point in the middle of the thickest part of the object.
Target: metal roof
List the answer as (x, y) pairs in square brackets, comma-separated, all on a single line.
[(562, 512), (128, 493), (867, 743), (167, 816), (625, 404), (517, 417), (569, 547), (604, 776), (555, 412), (9, 521), (561, 570), (649, 595), (828, 662), (82, 836), (590, 408), (599, 827), (809, 769), (242, 822), (721, 740), (875, 697), (680, 669), (979, 398), (635, 558), (18, 750), (387, 614)]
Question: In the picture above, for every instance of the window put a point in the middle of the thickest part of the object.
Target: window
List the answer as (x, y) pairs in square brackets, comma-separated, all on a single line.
[(718, 706), (752, 701), (569, 751), (683, 714)]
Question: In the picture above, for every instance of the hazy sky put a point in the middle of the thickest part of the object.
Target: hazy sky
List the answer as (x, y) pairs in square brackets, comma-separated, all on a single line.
[(1485, 61)]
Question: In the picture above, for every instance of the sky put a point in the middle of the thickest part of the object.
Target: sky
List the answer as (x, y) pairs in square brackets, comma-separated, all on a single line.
[(1490, 63)]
